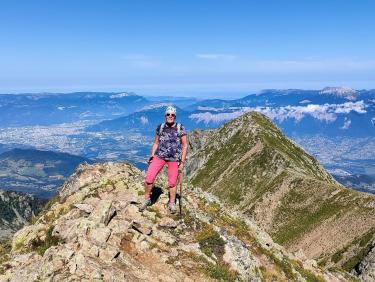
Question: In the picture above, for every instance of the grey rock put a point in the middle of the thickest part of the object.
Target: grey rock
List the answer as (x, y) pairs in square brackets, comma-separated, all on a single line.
[(141, 227), (367, 267), (168, 222), (84, 207)]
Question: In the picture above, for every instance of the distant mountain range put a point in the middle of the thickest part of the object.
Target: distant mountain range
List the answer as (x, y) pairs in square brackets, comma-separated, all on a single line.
[(335, 124), (46, 109), (36, 172), (332, 111)]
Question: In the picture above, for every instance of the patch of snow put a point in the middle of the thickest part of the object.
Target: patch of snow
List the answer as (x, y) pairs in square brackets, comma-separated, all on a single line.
[(345, 92), (155, 106), (120, 95)]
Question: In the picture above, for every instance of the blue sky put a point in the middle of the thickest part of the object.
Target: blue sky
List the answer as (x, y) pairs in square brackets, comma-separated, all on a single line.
[(185, 47)]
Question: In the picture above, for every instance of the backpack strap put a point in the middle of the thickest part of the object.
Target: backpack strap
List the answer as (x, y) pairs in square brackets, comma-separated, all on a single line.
[(161, 128), (163, 125)]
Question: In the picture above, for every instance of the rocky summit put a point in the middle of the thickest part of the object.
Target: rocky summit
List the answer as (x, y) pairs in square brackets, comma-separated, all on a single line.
[(255, 169), (93, 231)]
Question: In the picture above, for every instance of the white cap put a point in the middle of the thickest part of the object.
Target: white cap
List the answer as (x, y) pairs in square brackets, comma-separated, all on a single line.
[(170, 109)]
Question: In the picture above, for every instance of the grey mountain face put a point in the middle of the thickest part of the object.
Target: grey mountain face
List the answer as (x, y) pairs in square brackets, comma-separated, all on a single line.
[(16, 209)]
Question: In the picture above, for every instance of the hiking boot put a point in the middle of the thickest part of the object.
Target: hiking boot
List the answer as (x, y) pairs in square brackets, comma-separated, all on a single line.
[(172, 207), (146, 203)]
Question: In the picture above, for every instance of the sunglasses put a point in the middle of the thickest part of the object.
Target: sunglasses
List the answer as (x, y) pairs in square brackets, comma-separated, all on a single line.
[(172, 115)]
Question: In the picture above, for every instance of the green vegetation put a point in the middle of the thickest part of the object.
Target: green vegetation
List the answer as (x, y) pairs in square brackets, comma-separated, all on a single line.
[(308, 275), (40, 246), (233, 226), (5, 247), (210, 242), (221, 272), (360, 245), (366, 238), (284, 265), (300, 216), (337, 256), (156, 211), (45, 209), (352, 262)]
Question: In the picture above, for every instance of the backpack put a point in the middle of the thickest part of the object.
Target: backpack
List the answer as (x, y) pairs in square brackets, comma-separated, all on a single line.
[(163, 125)]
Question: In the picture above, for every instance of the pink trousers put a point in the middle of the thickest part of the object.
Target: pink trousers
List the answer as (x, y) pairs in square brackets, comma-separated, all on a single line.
[(155, 167)]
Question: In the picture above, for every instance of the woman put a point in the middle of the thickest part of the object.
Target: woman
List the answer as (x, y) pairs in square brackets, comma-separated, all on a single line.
[(170, 147)]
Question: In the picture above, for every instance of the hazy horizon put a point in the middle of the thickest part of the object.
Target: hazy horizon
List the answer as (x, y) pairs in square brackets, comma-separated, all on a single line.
[(202, 94)]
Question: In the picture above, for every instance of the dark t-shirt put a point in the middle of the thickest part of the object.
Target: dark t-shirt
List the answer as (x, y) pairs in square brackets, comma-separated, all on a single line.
[(169, 148)]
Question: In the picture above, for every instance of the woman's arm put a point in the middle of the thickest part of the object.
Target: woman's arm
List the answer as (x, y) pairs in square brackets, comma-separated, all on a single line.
[(155, 145)]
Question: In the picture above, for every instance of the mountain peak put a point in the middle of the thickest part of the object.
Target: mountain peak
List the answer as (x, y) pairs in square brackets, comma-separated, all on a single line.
[(255, 169)]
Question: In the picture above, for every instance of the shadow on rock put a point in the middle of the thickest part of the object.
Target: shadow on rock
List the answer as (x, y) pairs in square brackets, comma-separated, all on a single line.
[(155, 194)]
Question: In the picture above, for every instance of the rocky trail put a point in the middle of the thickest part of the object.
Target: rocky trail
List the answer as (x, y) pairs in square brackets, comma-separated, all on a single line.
[(93, 231)]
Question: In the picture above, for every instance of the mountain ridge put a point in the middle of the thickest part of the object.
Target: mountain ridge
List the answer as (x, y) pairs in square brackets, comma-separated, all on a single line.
[(250, 165), (94, 231)]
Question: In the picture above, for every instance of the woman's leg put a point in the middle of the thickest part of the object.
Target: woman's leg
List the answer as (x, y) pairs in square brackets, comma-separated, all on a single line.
[(153, 170), (172, 180)]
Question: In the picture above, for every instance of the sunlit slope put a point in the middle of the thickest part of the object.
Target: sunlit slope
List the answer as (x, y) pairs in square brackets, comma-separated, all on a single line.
[(251, 165)]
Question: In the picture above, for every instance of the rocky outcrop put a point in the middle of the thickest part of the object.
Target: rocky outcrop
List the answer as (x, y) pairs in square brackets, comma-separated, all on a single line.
[(255, 169), (94, 232), (366, 269)]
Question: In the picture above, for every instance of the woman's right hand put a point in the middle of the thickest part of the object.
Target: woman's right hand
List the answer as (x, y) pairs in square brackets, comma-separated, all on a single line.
[(150, 159)]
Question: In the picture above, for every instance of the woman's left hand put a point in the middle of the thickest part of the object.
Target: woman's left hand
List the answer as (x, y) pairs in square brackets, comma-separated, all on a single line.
[(181, 166)]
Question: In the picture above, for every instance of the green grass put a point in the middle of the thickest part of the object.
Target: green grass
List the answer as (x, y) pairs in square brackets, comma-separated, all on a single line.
[(210, 242), (308, 275), (5, 248), (299, 217), (40, 246), (337, 256), (221, 272), (367, 237)]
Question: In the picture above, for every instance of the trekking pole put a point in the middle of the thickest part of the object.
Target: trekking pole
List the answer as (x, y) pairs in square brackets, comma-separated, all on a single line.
[(180, 200)]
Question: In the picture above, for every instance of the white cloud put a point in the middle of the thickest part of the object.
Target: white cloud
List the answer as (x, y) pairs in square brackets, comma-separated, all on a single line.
[(144, 120), (346, 124), (327, 112), (347, 107), (305, 101)]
